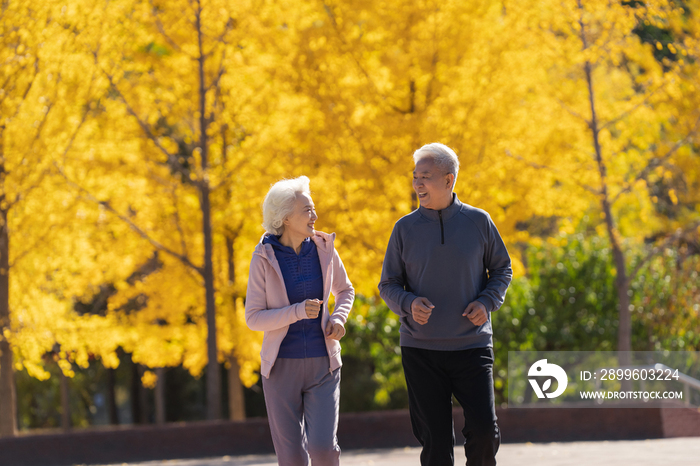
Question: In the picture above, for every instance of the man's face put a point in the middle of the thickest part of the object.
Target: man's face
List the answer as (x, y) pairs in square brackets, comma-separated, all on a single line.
[(433, 186)]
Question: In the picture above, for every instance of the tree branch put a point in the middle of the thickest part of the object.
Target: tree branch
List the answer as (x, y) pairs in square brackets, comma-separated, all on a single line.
[(656, 249), (222, 69), (629, 111), (26, 91), (172, 158), (538, 166), (657, 161), (228, 174), (161, 29), (105, 204), (183, 244), (573, 112), (220, 39), (357, 61), (68, 147), (37, 136), (36, 243)]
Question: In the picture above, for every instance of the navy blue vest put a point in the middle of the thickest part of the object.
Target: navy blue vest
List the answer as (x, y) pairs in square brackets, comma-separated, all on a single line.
[(303, 279)]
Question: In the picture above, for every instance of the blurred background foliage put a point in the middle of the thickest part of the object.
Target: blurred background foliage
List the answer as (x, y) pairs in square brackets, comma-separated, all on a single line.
[(565, 302)]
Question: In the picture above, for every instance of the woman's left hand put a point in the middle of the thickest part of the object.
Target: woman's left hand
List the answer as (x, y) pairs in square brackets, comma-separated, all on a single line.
[(334, 331)]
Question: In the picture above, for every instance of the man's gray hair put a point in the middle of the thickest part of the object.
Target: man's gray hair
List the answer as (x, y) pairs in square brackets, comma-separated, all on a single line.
[(279, 202), (442, 156)]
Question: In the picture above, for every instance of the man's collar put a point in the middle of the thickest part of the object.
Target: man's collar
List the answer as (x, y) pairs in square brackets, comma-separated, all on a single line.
[(446, 213)]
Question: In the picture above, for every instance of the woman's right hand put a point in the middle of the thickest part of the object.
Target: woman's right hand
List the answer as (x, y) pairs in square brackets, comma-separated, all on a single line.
[(313, 307)]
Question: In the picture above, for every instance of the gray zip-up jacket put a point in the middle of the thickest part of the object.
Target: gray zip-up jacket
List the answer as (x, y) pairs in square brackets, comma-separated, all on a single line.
[(452, 257)]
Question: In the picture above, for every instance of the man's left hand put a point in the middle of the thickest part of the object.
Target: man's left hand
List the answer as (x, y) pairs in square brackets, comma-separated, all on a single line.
[(476, 313), (334, 331)]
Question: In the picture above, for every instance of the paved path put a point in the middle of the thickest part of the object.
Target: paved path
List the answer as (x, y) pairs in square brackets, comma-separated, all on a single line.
[(675, 452)]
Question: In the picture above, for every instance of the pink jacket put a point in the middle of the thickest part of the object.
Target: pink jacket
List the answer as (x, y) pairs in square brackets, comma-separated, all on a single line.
[(267, 306)]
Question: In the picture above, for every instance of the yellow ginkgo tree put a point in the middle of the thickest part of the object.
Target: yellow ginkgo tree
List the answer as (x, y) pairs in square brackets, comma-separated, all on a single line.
[(383, 79), (194, 96), (617, 104), (48, 257)]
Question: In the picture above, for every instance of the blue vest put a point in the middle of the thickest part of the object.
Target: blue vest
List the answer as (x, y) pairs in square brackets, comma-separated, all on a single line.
[(303, 279)]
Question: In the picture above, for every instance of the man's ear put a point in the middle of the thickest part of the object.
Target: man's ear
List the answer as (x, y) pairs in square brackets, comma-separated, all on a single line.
[(451, 180)]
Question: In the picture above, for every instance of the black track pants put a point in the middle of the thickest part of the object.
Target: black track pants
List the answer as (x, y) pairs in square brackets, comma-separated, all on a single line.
[(432, 377)]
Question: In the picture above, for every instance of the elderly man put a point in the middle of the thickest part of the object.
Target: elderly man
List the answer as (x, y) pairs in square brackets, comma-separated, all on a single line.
[(445, 270)]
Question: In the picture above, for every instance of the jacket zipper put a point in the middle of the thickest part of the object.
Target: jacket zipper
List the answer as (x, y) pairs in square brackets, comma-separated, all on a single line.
[(442, 228), (303, 322)]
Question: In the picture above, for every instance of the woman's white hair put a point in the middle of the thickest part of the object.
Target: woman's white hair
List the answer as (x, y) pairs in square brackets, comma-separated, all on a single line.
[(442, 156), (279, 202)]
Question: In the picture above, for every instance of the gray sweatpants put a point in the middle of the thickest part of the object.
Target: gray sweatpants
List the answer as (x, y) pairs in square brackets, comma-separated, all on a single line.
[(302, 399)]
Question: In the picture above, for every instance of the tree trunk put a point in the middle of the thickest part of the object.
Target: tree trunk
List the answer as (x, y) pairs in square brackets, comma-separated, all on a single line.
[(65, 402), (236, 401), (144, 415), (213, 374), (230, 259), (8, 407), (112, 398), (160, 396), (136, 388), (624, 336)]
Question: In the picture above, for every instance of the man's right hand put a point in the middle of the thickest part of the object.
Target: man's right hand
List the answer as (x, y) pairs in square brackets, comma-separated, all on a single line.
[(313, 307), (421, 308)]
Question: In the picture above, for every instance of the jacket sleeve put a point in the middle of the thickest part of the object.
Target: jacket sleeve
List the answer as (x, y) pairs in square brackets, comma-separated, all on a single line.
[(342, 290), (392, 287), (497, 263), (257, 315)]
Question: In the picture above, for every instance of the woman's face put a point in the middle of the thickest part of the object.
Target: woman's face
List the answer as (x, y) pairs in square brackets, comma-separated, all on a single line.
[(300, 222)]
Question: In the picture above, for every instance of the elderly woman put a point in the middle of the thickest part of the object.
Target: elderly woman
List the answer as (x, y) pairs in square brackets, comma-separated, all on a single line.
[(293, 272)]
